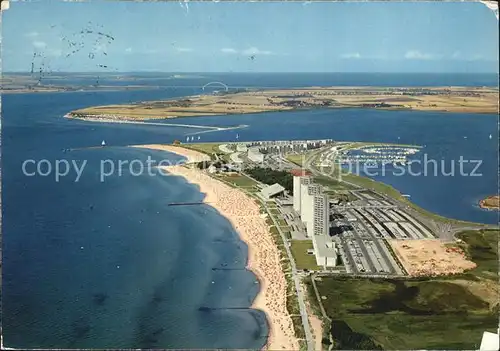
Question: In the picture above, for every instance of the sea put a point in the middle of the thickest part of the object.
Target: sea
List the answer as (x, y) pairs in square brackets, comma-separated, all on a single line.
[(93, 261)]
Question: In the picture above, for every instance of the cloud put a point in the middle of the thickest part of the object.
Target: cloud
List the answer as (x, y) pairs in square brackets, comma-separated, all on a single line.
[(256, 51), (456, 55), (417, 55), (229, 51), (39, 44), (184, 49), (128, 50), (354, 55), (250, 51)]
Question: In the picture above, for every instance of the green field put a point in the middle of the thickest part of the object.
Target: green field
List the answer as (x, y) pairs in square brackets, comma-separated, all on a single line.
[(207, 148), (370, 314), (240, 181), (421, 313), (482, 248), (332, 183), (302, 259)]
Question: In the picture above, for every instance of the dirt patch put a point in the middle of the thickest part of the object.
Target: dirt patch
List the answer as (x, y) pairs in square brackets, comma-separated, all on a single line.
[(430, 257), (487, 290)]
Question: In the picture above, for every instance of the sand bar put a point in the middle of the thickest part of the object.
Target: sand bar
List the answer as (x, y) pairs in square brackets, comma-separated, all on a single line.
[(263, 255)]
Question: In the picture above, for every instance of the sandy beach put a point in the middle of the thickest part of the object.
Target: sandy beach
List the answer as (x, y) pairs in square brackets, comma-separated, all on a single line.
[(190, 155), (263, 255)]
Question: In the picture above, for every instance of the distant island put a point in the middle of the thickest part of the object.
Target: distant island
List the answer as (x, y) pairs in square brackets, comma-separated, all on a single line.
[(490, 203), (450, 99), (34, 83)]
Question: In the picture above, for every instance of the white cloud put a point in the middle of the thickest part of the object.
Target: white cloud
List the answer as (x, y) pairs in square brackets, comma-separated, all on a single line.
[(417, 55), (250, 51), (456, 55), (256, 51), (354, 55), (32, 34), (39, 44), (229, 51), (184, 49), (128, 50)]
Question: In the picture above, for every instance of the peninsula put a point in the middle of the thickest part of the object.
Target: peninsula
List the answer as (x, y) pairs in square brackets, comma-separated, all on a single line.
[(450, 99), (372, 241)]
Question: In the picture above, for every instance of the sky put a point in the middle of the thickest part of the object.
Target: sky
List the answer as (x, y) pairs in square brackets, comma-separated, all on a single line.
[(129, 36)]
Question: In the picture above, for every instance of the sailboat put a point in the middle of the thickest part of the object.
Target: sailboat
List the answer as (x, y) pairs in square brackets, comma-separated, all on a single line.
[(187, 139), (491, 136), (237, 136), (198, 137), (103, 143)]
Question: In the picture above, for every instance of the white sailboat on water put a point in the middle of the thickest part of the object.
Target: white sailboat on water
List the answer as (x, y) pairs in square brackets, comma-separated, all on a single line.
[(491, 136), (103, 143)]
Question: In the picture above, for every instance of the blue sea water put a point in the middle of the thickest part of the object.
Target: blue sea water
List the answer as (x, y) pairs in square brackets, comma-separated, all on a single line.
[(110, 265)]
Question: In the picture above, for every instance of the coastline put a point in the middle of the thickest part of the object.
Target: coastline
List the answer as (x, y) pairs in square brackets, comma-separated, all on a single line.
[(263, 255)]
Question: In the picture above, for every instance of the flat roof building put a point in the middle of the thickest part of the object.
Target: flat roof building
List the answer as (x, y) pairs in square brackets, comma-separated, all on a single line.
[(271, 191), (255, 155), (325, 251)]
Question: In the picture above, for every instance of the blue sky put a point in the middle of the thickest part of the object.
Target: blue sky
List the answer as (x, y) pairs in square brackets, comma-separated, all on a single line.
[(250, 37)]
